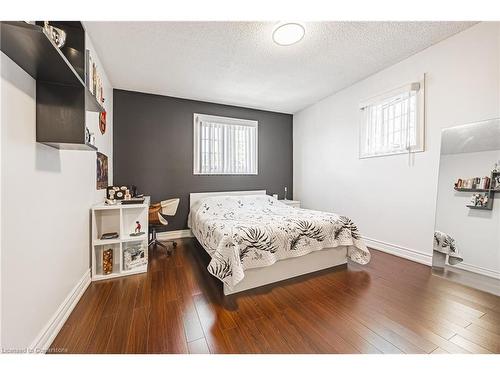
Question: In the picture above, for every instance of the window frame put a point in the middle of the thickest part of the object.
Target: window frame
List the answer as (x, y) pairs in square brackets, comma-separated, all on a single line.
[(419, 123), (198, 118)]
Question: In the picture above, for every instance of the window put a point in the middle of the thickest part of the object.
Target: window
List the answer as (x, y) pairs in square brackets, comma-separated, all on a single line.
[(393, 123), (224, 145)]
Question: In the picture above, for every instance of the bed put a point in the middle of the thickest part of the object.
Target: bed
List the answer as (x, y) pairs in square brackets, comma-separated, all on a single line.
[(254, 240)]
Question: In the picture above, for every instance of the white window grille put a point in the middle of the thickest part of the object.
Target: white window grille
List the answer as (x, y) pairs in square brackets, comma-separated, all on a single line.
[(225, 146)]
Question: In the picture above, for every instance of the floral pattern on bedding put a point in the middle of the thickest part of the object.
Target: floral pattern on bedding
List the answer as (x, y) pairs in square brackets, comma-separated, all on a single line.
[(243, 232)]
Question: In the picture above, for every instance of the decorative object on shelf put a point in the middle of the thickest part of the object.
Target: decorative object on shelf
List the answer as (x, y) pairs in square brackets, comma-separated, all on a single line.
[(93, 79), (102, 171), (473, 183), (102, 122), (286, 193), (137, 230), (89, 137), (479, 200), (88, 71), (497, 182), (57, 35), (111, 202), (134, 257), (107, 261), (111, 192), (485, 182), (109, 236), (133, 190)]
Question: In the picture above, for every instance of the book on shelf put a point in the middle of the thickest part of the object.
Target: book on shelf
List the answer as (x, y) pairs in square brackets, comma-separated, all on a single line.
[(93, 80), (91, 75)]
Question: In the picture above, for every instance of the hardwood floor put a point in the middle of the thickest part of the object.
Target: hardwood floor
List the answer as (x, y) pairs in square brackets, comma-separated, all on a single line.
[(389, 306)]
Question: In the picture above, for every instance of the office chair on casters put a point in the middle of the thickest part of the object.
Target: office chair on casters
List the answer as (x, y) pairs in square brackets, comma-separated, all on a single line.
[(158, 213)]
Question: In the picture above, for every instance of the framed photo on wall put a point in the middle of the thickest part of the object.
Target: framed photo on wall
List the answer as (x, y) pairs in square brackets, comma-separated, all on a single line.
[(102, 171)]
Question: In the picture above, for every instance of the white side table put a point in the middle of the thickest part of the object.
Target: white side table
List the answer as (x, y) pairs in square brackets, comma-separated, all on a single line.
[(294, 204)]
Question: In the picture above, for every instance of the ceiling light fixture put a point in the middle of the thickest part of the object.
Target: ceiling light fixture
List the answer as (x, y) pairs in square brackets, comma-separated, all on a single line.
[(288, 34)]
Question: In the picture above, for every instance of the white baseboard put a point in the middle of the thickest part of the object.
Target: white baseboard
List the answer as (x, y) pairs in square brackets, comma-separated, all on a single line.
[(174, 234), (399, 251), (52, 328), (476, 269)]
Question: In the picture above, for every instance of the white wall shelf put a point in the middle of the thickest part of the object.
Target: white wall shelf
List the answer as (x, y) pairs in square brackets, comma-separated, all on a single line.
[(121, 219)]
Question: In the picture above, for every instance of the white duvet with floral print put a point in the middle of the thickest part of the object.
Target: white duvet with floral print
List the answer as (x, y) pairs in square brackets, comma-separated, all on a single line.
[(243, 232)]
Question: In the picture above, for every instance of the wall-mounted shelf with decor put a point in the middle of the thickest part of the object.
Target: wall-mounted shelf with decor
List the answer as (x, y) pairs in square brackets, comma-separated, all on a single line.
[(61, 95), (473, 190), (487, 208), (490, 193)]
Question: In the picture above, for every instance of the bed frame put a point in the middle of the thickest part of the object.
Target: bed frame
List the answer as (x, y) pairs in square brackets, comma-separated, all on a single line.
[(283, 269)]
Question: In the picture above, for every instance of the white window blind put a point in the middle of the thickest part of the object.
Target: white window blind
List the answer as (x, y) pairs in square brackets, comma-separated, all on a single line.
[(393, 123), (225, 145)]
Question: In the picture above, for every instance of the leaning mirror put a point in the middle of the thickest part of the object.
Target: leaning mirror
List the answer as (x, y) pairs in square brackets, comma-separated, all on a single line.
[(467, 230)]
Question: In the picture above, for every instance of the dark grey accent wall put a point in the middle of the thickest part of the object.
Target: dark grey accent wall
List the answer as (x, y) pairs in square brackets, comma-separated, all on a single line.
[(153, 149)]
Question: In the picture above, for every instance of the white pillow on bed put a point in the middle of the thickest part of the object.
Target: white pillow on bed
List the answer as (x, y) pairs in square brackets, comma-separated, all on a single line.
[(233, 202)]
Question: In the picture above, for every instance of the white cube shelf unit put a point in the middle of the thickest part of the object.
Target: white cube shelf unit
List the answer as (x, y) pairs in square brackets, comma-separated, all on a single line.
[(121, 219)]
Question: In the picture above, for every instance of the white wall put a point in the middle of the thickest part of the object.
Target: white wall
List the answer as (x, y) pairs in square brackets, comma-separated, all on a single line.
[(46, 195), (476, 232), (393, 202)]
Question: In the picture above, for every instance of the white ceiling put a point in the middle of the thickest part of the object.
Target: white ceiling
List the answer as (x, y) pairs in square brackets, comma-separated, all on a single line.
[(237, 63)]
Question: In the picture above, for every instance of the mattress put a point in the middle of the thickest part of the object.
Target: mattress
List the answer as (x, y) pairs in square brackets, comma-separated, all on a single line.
[(244, 232)]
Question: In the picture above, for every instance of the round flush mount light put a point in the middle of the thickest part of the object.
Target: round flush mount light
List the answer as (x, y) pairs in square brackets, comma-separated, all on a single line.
[(288, 33)]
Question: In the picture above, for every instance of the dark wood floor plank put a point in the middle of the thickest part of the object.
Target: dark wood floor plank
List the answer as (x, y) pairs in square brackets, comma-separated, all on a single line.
[(137, 341), (403, 323), (276, 340), (87, 325), (313, 333), (123, 319), (371, 337), (157, 331), (391, 330), (175, 335), (65, 339), (143, 298), (391, 305), (101, 335)]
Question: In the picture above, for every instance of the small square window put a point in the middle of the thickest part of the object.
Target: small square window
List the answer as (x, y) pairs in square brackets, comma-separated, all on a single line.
[(393, 123), (225, 146)]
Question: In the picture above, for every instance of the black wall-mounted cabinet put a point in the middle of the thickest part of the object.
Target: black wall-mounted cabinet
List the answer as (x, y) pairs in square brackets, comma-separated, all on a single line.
[(61, 95)]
